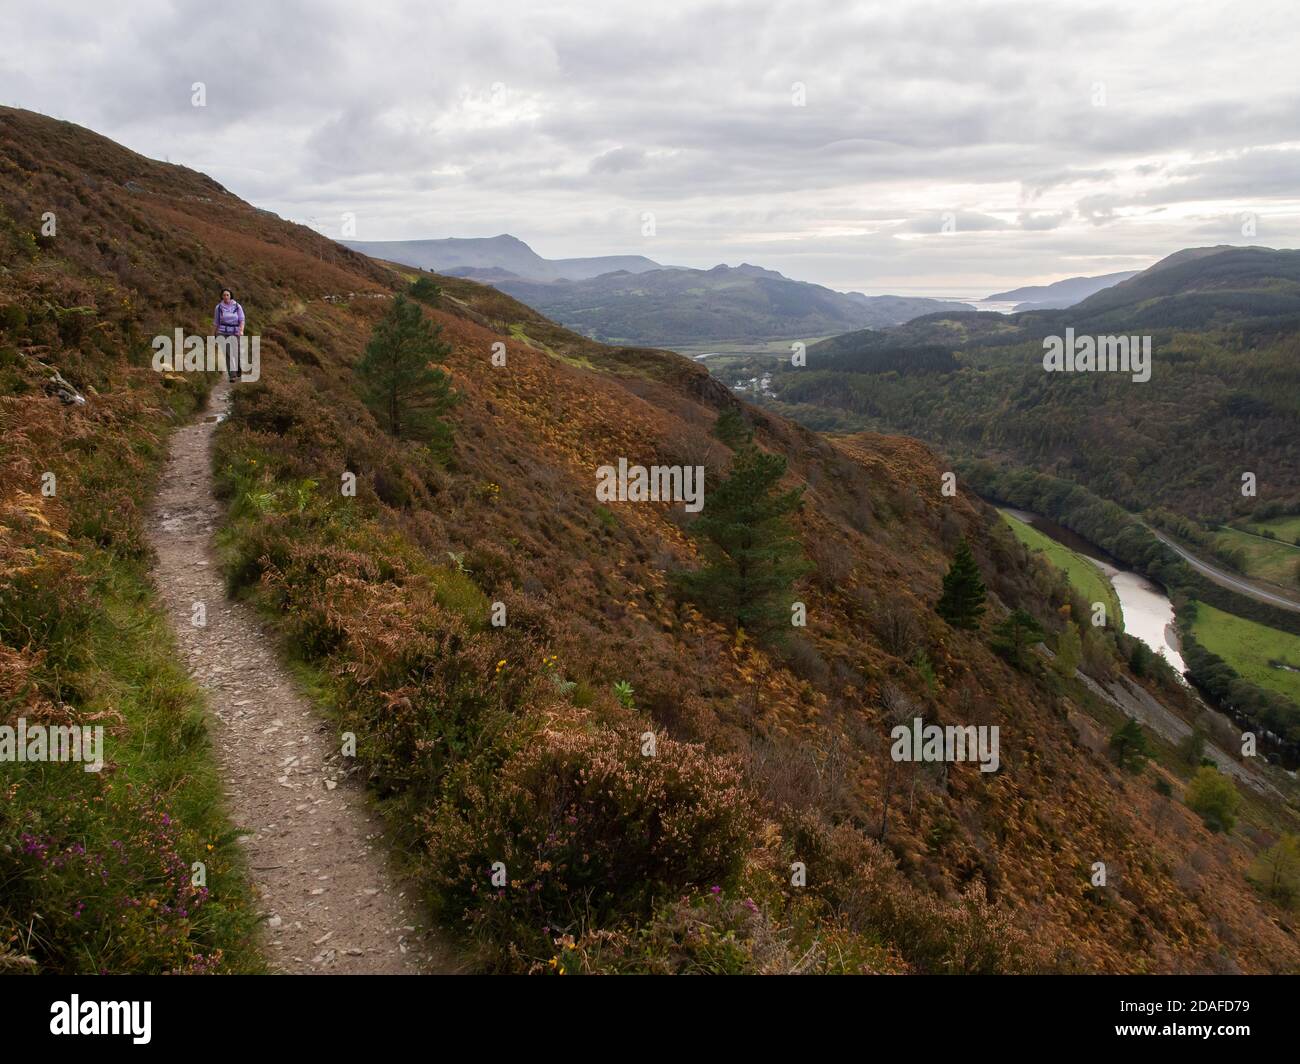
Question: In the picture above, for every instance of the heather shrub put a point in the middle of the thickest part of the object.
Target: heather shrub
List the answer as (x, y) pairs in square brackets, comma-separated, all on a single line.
[(490, 568), (310, 585), (715, 933), (262, 546), (591, 833), (857, 878), (107, 873), (421, 692)]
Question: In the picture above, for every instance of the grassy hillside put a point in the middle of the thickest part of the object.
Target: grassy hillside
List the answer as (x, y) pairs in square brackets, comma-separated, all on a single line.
[(1199, 287), (1084, 576), (1284, 528), (523, 744)]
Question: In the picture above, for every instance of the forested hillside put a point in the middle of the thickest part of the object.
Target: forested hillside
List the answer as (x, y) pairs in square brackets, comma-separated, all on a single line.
[(1221, 401), (1213, 436), (679, 306)]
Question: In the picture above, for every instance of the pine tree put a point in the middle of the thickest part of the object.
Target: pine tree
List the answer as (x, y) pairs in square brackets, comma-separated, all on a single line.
[(425, 290), (1139, 658), (752, 557), (1130, 746), (1019, 631), (407, 394), (732, 428), (962, 600)]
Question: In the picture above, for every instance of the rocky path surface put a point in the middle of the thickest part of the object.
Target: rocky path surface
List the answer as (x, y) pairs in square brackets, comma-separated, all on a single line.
[(315, 851), (1135, 701)]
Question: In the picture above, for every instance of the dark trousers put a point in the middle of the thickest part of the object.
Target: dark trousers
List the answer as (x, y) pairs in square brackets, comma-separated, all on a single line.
[(228, 342)]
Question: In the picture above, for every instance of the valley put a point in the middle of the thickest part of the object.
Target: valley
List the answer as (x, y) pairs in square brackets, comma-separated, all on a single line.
[(974, 385), (504, 645), (605, 489)]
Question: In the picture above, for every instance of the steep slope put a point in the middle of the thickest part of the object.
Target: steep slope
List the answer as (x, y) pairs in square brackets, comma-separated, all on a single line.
[(679, 306), (511, 744)]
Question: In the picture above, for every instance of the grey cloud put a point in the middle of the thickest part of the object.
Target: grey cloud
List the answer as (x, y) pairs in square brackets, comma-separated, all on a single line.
[(607, 109), (1042, 220), (617, 160)]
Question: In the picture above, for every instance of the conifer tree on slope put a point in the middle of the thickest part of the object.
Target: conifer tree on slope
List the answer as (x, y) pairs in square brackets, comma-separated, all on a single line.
[(1129, 744), (752, 557), (962, 601), (1013, 636), (403, 388), (732, 428)]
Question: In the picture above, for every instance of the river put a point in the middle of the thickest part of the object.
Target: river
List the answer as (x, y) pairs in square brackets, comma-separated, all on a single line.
[(1148, 613)]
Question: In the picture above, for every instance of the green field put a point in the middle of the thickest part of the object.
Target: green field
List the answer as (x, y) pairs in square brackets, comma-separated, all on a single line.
[(731, 350), (1287, 528), (1267, 559), (1084, 575), (1248, 647)]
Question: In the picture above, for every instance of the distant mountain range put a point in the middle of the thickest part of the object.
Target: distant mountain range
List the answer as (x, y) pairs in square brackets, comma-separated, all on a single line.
[(1060, 294), (496, 258), (1256, 288), (630, 299), (663, 308), (1191, 288)]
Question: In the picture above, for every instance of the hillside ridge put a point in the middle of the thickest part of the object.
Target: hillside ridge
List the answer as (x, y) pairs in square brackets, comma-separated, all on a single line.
[(481, 743)]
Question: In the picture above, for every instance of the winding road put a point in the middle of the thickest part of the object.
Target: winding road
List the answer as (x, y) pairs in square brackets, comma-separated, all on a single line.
[(1228, 580)]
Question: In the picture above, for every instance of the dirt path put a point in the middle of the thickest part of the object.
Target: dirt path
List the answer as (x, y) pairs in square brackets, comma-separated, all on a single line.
[(315, 851)]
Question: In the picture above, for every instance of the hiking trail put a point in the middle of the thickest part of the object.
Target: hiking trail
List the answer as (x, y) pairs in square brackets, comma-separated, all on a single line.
[(314, 850)]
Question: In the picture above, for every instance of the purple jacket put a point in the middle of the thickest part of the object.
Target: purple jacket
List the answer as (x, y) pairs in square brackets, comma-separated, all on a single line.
[(228, 319)]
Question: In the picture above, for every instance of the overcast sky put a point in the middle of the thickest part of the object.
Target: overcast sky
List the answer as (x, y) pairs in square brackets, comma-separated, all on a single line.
[(829, 139)]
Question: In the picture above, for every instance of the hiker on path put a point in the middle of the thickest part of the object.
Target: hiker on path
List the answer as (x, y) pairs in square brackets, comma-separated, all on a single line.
[(228, 321)]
